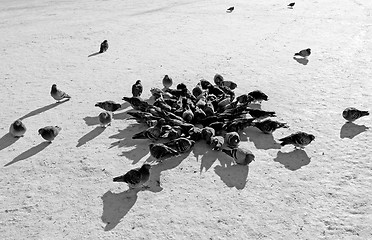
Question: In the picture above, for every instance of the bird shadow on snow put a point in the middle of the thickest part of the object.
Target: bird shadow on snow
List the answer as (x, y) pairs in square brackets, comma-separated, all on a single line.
[(7, 140), (350, 130), (116, 206), (43, 109), (29, 153), (260, 139), (302, 61), (293, 160), (94, 54), (90, 136)]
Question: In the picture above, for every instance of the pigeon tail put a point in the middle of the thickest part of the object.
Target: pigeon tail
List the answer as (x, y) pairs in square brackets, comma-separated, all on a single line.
[(118, 179), (364, 113)]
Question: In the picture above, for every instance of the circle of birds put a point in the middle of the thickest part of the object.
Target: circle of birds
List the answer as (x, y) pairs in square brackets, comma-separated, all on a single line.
[(209, 112)]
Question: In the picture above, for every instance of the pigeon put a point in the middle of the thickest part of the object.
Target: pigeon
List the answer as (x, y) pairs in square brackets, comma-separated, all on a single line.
[(17, 129), (105, 119), (167, 82), (217, 143), (137, 89), (181, 144), (258, 96), (351, 114), (58, 94), (205, 84), (230, 9), (195, 133), (260, 114), (232, 139), (304, 53), (241, 156), (135, 178), (49, 132), (197, 90), (161, 152), (104, 46), (218, 79), (137, 104), (269, 126), (110, 106), (152, 133), (291, 5), (298, 139), (207, 133), (230, 84)]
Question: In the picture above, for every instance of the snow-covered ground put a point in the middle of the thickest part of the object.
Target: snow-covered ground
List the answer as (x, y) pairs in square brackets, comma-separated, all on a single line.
[(64, 190)]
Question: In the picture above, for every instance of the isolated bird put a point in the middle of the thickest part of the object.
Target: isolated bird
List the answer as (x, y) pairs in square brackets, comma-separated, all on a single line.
[(105, 119), (268, 126), (110, 106), (232, 139), (49, 132), (135, 178), (137, 89), (58, 94), (17, 128), (351, 114), (230, 9), (291, 4), (181, 144), (216, 143), (298, 139), (241, 156), (161, 152), (167, 82), (258, 96), (304, 53), (104, 46)]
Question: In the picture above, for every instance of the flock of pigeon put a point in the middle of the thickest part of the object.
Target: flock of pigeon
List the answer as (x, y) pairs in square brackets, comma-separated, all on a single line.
[(180, 117)]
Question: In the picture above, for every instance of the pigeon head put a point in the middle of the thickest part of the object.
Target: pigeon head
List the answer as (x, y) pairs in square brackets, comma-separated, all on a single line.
[(181, 86), (41, 130), (218, 79), (312, 137), (105, 41), (138, 81), (17, 123), (308, 50), (54, 86)]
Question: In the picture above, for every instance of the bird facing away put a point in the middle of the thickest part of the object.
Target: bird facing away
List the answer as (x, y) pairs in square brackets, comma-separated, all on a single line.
[(104, 46), (291, 5), (167, 82), (298, 139), (58, 94), (17, 129), (351, 114), (161, 152), (105, 119), (269, 126), (230, 9), (137, 89), (110, 106), (241, 156), (49, 132), (304, 53), (135, 178)]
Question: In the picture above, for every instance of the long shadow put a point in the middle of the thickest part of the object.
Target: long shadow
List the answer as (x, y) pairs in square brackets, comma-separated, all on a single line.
[(350, 130), (94, 54), (154, 184), (234, 175), (91, 121), (29, 153), (116, 206), (302, 61), (90, 135), (260, 139), (293, 160), (208, 158), (42, 109), (7, 140)]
